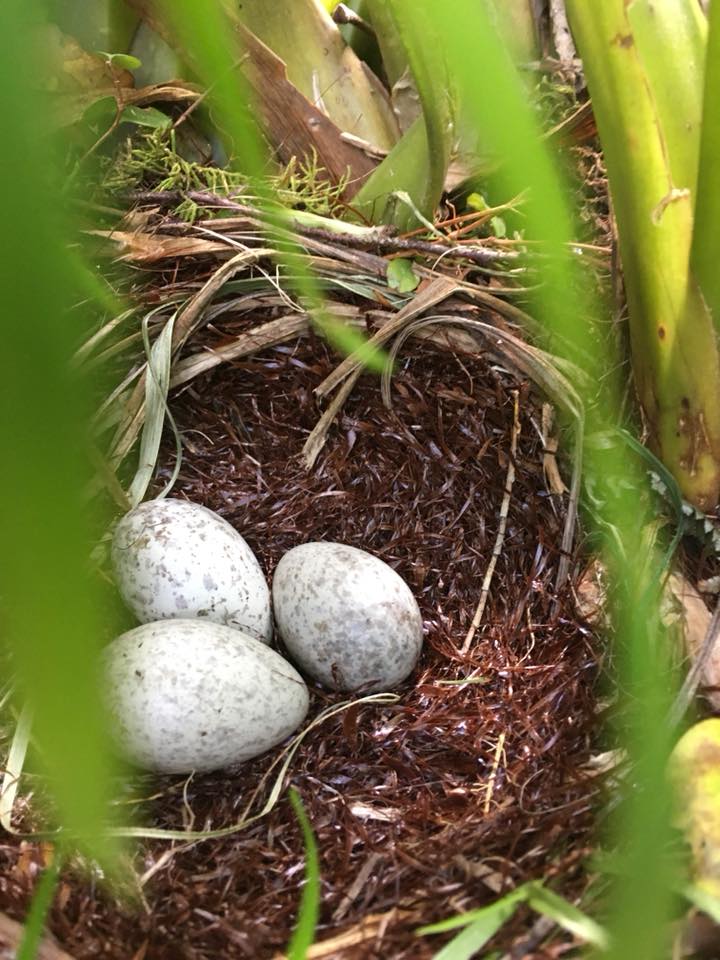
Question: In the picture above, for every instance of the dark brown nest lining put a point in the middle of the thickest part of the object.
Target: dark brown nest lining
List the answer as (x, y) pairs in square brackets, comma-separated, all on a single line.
[(423, 809)]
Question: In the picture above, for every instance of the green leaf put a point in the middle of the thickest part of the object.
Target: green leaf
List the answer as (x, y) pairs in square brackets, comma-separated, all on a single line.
[(401, 276), (146, 117), (476, 201), (122, 60), (304, 933), (566, 915), (498, 227), (480, 926), (464, 919), (101, 111), (53, 616)]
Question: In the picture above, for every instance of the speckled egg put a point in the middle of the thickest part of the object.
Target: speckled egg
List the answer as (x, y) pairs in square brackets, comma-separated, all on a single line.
[(186, 695), (174, 559), (346, 617)]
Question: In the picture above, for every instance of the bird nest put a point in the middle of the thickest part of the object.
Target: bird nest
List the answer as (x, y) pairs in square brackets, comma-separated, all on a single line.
[(478, 776)]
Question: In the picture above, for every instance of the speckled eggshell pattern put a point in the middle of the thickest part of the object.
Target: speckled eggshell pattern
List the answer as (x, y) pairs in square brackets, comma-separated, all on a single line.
[(346, 617), (174, 559), (186, 695)]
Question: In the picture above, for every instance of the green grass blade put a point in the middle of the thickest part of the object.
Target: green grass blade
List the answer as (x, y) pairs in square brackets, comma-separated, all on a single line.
[(479, 930), (567, 916), (479, 916), (51, 618), (39, 908), (641, 898), (304, 934)]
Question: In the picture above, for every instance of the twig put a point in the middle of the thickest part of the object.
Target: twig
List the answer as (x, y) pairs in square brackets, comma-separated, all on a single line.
[(376, 241), (563, 570), (342, 14), (504, 509), (692, 680), (493, 773)]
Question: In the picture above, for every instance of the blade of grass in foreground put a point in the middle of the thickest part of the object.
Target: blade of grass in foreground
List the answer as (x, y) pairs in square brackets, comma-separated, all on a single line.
[(309, 911), (642, 895), (51, 620)]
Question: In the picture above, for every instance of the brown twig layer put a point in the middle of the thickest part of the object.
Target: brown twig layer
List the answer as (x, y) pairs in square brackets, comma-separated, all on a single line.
[(417, 799)]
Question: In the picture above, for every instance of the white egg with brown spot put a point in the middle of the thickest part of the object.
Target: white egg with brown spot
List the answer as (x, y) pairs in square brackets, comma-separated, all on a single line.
[(346, 617), (184, 695), (175, 559)]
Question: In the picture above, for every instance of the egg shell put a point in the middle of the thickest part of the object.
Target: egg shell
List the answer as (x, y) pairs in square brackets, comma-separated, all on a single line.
[(175, 559), (346, 617), (186, 695)]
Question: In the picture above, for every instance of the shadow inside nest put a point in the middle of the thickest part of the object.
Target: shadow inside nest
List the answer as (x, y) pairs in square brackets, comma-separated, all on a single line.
[(420, 809)]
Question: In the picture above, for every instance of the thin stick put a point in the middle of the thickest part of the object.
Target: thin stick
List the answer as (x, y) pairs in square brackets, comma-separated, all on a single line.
[(493, 773), (504, 508)]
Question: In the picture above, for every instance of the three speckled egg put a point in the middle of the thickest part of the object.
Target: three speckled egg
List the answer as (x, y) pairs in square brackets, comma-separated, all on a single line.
[(196, 687)]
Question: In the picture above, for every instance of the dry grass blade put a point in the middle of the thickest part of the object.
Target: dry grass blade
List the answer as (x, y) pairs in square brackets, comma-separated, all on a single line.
[(190, 317), (159, 359), (284, 328), (84, 351), (14, 767), (283, 761), (502, 524), (187, 321), (149, 248), (440, 289), (316, 441), (370, 928)]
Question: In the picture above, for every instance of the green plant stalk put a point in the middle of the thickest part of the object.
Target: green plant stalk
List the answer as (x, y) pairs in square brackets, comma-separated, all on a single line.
[(419, 163), (404, 169), (394, 55), (516, 23), (706, 235), (323, 67), (645, 121)]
